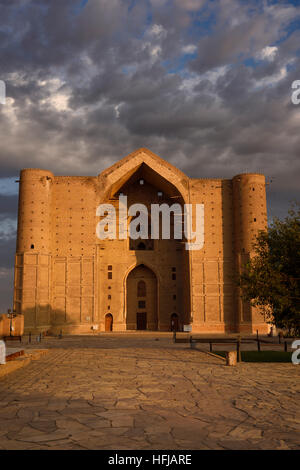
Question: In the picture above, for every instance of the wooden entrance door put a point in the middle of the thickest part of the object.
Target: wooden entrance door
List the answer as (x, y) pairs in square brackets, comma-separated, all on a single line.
[(141, 321), (108, 322), (174, 322)]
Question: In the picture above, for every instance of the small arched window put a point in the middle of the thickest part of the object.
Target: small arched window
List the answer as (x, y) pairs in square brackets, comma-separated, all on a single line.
[(141, 246), (141, 289)]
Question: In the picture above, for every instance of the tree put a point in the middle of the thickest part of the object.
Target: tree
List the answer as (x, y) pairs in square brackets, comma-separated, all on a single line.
[(271, 278)]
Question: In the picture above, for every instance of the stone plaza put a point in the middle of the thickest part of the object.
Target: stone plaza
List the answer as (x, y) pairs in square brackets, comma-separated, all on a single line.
[(142, 391)]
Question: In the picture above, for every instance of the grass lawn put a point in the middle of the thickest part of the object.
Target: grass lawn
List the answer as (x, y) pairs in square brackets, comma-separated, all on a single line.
[(262, 356)]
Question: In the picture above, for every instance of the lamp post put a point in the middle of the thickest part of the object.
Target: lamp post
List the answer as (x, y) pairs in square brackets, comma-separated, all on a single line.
[(11, 315)]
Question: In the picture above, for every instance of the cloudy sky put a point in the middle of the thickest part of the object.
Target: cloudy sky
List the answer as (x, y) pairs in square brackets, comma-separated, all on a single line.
[(204, 84)]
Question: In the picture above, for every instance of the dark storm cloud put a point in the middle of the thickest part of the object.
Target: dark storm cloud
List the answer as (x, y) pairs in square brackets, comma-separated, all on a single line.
[(88, 85), (206, 85), (8, 206), (7, 251), (8, 214)]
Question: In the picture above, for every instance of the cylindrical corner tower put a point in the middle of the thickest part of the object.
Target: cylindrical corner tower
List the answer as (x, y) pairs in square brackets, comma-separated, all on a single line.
[(34, 216), (250, 216), (32, 266)]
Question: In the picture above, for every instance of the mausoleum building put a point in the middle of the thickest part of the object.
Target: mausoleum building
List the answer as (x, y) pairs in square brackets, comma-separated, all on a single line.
[(68, 279)]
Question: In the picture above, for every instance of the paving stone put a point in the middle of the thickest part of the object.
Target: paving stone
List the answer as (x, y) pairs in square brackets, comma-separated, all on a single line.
[(245, 433), (27, 413), (94, 422), (43, 425), (124, 421), (29, 434), (231, 444), (70, 425), (8, 412), (127, 404)]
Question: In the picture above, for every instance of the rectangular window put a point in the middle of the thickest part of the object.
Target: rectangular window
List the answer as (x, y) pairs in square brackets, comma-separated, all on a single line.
[(142, 304), (109, 275), (173, 277)]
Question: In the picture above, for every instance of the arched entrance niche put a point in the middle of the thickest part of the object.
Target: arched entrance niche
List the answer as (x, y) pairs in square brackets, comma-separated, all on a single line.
[(108, 322), (144, 178), (141, 287)]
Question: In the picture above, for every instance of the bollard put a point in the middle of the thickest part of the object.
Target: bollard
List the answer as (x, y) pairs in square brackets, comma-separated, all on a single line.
[(231, 358), (2, 352), (238, 349), (192, 343), (258, 342), (258, 345)]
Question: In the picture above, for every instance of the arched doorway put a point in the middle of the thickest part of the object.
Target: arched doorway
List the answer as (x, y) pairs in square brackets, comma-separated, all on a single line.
[(108, 322), (174, 322), (141, 289)]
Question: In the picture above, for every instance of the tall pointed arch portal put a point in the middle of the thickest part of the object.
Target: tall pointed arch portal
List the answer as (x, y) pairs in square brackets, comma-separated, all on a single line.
[(159, 257)]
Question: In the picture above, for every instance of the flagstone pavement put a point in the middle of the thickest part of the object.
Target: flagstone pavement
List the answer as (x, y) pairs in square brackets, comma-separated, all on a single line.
[(144, 392)]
